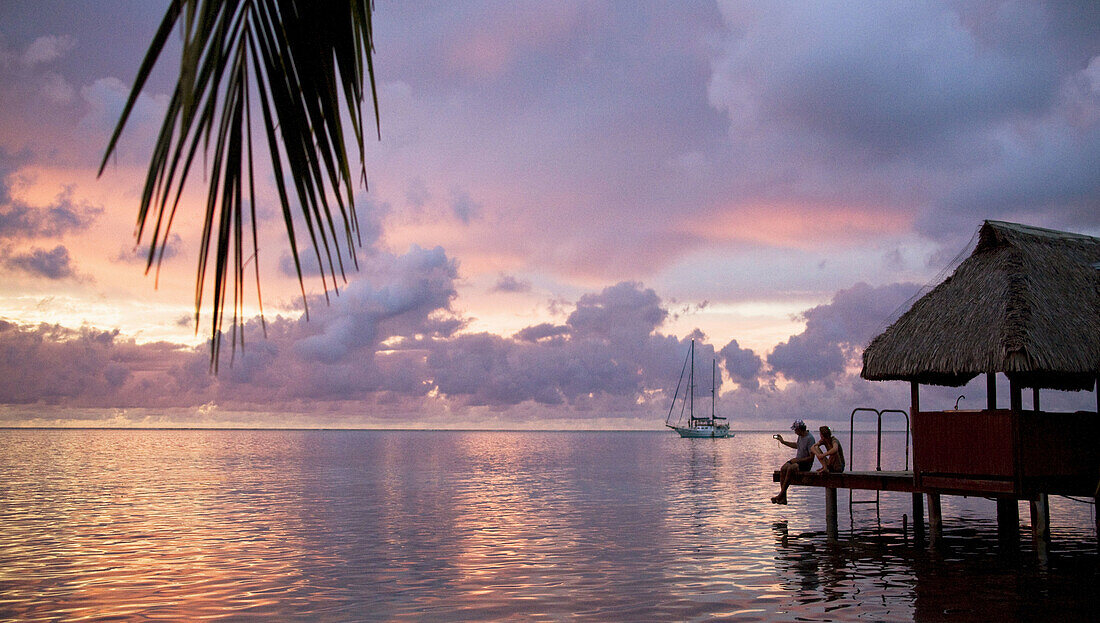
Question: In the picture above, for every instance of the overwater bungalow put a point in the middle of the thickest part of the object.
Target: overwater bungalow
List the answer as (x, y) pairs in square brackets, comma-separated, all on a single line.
[(1025, 304)]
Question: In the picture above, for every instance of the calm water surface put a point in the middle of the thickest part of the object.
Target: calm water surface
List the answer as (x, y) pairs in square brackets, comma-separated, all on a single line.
[(367, 525)]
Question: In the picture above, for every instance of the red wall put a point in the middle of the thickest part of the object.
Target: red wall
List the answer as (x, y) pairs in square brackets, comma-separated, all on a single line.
[(1054, 451), (974, 443)]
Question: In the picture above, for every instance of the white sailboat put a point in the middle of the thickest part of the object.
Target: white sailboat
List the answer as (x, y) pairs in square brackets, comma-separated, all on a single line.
[(714, 426)]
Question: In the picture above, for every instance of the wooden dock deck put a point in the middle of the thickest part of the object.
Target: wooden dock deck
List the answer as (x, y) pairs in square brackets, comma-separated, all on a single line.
[(873, 480), (904, 481), (900, 481), (932, 487)]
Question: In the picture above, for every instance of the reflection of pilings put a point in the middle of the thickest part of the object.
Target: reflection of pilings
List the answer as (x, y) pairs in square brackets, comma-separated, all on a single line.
[(1040, 518), (1008, 519), (918, 517)]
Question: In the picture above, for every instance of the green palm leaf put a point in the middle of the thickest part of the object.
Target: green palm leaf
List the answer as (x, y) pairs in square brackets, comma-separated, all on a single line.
[(302, 64)]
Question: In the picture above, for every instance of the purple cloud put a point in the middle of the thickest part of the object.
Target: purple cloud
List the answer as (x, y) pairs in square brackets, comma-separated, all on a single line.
[(401, 362), (392, 341), (742, 364), (47, 49), (417, 193), (418, 284), (952, 112), (91, 368), (369, 215), (53, 264), (21, 221), (837, 332), (140, 254), (464, 208), (621, 312), (889, 78), (608, 347), (541, 331), (807, 357), (508, 283), (307, 262)]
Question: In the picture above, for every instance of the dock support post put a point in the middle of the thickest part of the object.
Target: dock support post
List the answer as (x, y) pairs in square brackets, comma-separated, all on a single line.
[(1096, 515), (935, 519), (830, 513), (918, 517), (1008, 519), (1040, 518)]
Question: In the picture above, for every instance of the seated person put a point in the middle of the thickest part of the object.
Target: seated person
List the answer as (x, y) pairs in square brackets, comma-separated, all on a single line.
[(829, 452), (803, 459)]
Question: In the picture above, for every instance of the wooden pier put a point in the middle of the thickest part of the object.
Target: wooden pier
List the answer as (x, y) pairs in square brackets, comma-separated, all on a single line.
[(1024, 305), (1008, 489), (873, 480), (897, 481)]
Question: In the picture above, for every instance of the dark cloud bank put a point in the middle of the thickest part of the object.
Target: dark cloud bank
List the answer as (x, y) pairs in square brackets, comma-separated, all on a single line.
[(953, 112), (393, 348)]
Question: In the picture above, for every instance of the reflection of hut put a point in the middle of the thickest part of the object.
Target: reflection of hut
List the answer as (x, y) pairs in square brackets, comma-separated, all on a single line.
[(1026, 304)]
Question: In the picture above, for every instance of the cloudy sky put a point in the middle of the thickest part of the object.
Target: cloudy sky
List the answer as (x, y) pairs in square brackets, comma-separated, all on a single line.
[(564, 195)]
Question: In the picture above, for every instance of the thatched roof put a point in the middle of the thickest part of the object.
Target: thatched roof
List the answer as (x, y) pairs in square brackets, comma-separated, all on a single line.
[(1026, 303)]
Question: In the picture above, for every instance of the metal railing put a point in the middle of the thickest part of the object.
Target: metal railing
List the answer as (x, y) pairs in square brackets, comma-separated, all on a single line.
[(878, 454)]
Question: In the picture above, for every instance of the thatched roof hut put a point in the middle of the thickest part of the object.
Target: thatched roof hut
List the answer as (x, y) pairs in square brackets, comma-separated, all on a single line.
[(1026, 303)]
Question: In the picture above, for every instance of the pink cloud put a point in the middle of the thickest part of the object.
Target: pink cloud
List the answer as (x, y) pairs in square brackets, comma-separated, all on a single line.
[(494, 43), (798, 225)]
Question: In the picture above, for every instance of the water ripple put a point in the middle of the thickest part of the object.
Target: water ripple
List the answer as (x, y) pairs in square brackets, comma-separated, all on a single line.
[(396, 526)]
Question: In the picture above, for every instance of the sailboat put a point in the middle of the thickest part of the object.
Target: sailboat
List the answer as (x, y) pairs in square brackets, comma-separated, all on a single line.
[(713, 426)]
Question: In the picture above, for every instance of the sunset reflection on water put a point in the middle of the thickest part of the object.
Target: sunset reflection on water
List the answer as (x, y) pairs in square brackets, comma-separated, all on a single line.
[(113, 524), (354, 525)]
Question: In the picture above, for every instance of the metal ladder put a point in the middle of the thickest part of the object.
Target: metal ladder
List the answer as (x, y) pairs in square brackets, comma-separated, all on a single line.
[(878, 456)]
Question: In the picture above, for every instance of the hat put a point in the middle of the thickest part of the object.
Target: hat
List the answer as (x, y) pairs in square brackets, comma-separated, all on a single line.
[(798, 424)]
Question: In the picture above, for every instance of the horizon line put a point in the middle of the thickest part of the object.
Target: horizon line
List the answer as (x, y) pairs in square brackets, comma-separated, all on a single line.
[(380, 429)]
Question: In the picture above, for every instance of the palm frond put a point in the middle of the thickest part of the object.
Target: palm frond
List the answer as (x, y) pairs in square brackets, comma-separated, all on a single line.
[(304, 65)]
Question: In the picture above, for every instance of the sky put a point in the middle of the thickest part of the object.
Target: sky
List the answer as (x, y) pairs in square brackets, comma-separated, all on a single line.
[(563, 196)]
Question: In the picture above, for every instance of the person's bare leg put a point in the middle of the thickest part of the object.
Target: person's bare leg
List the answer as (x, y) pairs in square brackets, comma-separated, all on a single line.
[(784, 482), (822, 458)]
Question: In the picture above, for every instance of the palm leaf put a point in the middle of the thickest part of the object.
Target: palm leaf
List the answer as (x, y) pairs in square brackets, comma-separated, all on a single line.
[(303, 64)]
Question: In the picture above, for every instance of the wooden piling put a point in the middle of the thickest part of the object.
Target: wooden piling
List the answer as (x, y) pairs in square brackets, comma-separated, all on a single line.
[(935, 518), (1040, 518), (918, 517), (831, 529), (1096, 515)]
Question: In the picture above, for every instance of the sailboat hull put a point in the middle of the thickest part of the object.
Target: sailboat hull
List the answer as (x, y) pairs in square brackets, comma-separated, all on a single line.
[(696, 432)]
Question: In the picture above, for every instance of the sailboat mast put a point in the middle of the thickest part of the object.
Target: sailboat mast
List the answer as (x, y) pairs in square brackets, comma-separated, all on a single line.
[(691, 387), (713, 389)]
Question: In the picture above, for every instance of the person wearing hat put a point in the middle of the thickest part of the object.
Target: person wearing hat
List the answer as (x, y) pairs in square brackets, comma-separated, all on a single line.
[(803, 458), (829, 452)]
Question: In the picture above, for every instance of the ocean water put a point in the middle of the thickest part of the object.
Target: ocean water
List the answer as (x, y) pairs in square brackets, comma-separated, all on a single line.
[(490, 526)]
